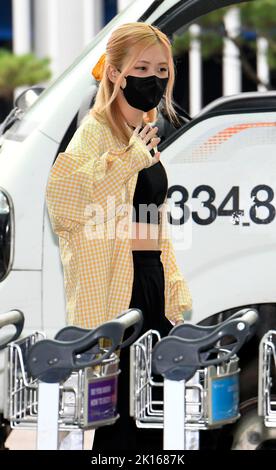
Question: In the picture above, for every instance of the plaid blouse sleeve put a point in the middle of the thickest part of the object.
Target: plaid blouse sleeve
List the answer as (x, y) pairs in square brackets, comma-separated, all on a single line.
[(82, 176), (176, 288), (180, 297)]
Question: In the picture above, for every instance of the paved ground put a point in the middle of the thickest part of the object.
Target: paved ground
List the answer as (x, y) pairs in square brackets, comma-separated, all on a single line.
[(20, 439)]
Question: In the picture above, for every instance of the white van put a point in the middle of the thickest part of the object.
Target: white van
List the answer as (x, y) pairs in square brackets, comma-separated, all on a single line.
[(221, 168)]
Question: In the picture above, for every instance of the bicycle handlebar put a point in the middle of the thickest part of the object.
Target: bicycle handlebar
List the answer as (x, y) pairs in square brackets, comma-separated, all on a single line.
[(15, 318), (132, 317), (189, 347), (75, 348)]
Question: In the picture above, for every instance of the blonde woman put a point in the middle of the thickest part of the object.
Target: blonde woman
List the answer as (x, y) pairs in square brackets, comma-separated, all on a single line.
[(105, 194)]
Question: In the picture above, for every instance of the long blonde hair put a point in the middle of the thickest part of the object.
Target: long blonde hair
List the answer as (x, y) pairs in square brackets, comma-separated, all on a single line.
[(130, 39)]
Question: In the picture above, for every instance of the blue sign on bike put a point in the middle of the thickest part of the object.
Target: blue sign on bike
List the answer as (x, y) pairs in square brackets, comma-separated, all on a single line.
[(224, 398)]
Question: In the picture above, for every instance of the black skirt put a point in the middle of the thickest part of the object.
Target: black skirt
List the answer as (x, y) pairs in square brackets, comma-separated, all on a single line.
[(147, 295)]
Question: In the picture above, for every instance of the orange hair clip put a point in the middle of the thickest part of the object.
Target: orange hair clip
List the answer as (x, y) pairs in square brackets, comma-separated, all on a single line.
[(97, 71)]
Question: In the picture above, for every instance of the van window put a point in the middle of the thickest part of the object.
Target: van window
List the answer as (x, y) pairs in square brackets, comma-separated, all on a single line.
[(205, 69), (221, 55)]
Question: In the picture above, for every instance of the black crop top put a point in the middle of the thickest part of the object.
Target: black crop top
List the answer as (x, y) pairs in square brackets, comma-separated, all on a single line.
[(150, 192)]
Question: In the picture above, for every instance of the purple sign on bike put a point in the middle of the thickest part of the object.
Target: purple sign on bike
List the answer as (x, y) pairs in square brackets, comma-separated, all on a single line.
[(102, 399)]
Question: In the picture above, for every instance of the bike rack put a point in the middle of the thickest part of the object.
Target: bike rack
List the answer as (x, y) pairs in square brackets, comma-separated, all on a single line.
[(200, 378), (69, 382)]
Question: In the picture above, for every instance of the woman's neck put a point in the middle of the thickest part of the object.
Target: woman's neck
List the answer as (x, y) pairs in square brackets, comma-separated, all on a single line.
[(133, 117)]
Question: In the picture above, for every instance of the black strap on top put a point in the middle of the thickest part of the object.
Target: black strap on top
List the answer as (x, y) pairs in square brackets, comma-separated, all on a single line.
[(75, 348), (190, 347)]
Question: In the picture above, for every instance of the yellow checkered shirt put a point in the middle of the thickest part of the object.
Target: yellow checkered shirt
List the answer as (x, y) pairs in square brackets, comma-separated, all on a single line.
[(95, 174)]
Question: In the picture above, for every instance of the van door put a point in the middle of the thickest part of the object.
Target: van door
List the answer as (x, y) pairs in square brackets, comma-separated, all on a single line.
[(221, 171), (221, 193)]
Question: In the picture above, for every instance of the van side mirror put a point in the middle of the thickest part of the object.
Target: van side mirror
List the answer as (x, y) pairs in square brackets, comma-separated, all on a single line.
[(28, 97)]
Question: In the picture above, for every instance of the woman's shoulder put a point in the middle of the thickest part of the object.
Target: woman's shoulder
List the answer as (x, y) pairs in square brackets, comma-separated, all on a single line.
[(99, 128), (90, 135), (90, 122)]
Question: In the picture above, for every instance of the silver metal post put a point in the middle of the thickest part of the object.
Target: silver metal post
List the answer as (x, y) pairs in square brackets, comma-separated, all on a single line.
[(174, 415), (47, 421)]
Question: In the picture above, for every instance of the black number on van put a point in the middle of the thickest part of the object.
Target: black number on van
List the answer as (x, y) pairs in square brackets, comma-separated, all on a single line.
[(266, 203), (233, 194), (208, 204), (181, 203)]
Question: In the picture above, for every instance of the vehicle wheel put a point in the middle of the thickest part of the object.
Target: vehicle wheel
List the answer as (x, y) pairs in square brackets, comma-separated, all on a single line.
[(4, 432), (249, 431)]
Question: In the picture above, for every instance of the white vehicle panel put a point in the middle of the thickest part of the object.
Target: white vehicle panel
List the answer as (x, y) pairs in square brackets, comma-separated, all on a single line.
[(27, 165), (227, 260)]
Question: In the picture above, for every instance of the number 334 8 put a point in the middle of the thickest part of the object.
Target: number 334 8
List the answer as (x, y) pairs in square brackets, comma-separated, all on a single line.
[(260, 211)]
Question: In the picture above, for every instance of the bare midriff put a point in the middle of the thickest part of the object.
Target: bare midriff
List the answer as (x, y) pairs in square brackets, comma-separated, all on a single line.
[(145, 236)]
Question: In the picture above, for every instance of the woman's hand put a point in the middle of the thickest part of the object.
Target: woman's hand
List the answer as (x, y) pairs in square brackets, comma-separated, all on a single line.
[(149, 138)]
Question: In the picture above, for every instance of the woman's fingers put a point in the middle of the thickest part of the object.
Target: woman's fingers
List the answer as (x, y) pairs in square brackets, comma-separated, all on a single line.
[(156, 158), (149, 133), (144, 131), (153, 143), (136, 130), (149, 138)]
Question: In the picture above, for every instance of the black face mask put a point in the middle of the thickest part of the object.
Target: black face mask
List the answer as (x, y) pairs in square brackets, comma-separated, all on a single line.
[(144, 93)]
